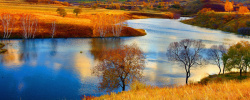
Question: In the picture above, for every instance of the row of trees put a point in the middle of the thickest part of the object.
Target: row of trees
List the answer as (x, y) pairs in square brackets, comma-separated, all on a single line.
[(105, 23), (188, 52), (229, 6), (27, 24), (119, 67), (62, 12)]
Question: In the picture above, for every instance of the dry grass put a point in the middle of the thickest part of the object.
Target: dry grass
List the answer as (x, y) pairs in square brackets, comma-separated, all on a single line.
[(232, 90)]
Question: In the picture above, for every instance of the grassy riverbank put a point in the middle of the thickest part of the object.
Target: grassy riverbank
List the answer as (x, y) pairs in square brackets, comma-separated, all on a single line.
[(222, 90), (230, 22), (71, 25)]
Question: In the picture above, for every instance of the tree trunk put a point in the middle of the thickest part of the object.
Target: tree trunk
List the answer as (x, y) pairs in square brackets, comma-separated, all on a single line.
[(187, 76), (240, 72), (246, 70), (224, 68), (220, 69), (123, 86)]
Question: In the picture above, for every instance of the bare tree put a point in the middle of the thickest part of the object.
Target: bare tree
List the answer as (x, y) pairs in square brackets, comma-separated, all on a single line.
[(118, 24), (53, 28), (8, 22), (215, 54), (187, 52), (119, 67), (29, 26)]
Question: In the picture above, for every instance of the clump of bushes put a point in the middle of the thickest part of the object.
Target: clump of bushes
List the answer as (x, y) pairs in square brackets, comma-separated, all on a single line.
[(61, 11), (244, 30)]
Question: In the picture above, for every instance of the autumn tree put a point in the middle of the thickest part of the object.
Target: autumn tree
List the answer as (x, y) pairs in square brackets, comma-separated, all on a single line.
[(61, 11), (228, 6), (77, 11), (187, 52), (8, 22), (243, 10), (215, 54), (239, 56), (119, 67)]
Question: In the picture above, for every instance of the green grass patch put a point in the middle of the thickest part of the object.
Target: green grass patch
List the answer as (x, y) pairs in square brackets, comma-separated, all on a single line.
[(225, 77)]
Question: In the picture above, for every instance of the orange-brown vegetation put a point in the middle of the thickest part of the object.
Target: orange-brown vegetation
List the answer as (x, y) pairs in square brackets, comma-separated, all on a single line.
[(205, 10), (62, 27), (229, 6), (108, 25), (118, 67), (243, 10), (213, 91), (28, 26)]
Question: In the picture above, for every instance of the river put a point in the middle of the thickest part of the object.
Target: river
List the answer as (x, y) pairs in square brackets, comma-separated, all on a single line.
[(50, 69)]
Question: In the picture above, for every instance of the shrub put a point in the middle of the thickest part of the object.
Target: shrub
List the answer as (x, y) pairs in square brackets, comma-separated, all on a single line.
[(77, 11), (61, 11), (205, 10), (244, 30), (248, 23), (94, 6), (136, 85), (243, 10)]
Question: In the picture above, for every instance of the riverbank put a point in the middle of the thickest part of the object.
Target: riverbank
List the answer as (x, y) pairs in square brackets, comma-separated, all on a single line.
[(229, 22), (70, 26), (225, 77), (1, 48), (212, 91)]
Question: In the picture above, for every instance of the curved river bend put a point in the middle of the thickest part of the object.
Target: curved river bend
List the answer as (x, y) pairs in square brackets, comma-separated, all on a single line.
[(55, 69)]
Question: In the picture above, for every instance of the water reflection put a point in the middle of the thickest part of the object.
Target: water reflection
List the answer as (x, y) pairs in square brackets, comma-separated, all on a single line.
[(11, 57), (53, 47), (28, 51), (98, 44)]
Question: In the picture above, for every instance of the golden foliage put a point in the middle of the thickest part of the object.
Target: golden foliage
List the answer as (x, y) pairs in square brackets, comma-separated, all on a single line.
[(119, 67), (232, 90), (243, 10), (228, 6), (205, 10), (105, 24)]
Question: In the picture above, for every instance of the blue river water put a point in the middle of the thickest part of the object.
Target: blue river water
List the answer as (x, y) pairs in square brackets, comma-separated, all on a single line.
[(49, 69)]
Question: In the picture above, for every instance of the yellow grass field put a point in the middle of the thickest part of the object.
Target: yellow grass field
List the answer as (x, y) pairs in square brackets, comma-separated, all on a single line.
[(48, 12), (231, 90), (78, 26)]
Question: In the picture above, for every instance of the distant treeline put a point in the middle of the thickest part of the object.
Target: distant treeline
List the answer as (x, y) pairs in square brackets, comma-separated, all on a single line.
[(99, 0)]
